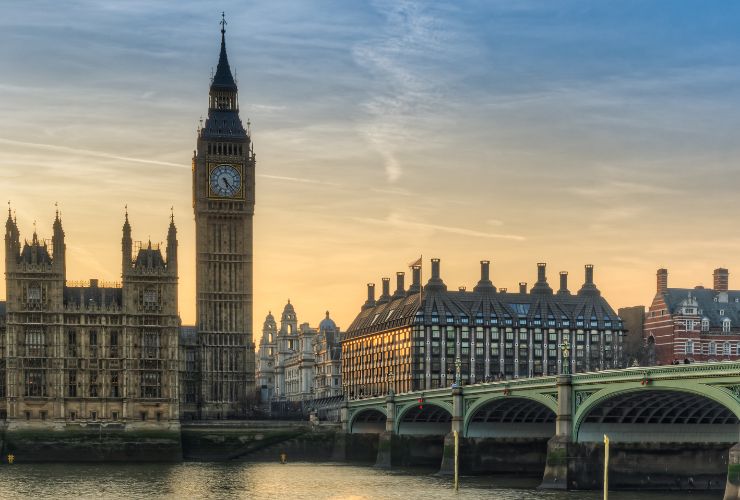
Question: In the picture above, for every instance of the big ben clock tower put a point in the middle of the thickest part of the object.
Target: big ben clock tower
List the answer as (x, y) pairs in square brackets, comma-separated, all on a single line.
[(223, 199)]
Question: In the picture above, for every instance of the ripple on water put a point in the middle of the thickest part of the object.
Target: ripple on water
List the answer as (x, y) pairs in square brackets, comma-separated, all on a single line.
[(269, 481)]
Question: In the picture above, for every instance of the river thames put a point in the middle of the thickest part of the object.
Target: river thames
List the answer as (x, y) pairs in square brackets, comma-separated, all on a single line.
[(260, 481)]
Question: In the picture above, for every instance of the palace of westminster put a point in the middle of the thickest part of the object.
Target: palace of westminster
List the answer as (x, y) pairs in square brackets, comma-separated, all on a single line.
[(72, 353)]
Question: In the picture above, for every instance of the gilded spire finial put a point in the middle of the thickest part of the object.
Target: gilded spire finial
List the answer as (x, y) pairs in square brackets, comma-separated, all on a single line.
[(8, 208), (56, 206), (172, 214), (223, 23)]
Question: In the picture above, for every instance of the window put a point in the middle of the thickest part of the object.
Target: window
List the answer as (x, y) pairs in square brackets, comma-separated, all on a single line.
[(721, 312), (114, 415), (114, 344), (93, 385), (712, 348), (150, 384), (142, 415), (114, 388), (705, 324), (72, 415), (34, 293), (35, 343), (150, 345), (28, 414), (72, 344), (150, 297), (72, 384), (726, 349), (726, 325), (93, 344), (35, 383), (689, 347), (93, 415)]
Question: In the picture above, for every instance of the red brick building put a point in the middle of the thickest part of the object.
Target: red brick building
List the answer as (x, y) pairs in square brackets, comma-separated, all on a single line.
[(695, 324)]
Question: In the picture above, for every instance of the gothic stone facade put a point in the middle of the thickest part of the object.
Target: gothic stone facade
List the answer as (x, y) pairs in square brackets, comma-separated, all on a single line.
[(223, 200), (82, 353), (418, 339), (693, 324)]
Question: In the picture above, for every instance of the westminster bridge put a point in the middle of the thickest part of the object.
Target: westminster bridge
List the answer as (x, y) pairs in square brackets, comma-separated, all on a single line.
[(670, 427)]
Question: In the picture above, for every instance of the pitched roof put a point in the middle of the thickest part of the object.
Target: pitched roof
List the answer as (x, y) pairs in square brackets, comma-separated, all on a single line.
[(705, 303)]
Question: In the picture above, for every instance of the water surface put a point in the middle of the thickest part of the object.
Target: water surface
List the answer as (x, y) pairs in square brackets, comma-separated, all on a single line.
[(262, 481)]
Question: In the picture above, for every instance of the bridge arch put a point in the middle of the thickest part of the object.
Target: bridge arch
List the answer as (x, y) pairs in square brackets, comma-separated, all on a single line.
[(431, 418), (669, 412), (368, 421), (531, 415)]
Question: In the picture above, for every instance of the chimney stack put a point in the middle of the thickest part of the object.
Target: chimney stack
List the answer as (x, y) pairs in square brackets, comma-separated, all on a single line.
[(400, 292), (386, 295), (435, 269), (503, 290), (415, 280), (588, 287), (662, 280), (485, 270), (721, 280), (485, 278), (589, 274), (541, 275), (563, 283), (522, 287), (370, 296)]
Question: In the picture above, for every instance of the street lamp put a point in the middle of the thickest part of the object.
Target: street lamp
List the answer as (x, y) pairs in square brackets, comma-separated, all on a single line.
[(565, 351), (389, 379), (458, 366)]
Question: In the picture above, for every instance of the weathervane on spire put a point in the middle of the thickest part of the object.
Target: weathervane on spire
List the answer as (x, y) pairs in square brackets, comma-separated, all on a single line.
[(223, 23)]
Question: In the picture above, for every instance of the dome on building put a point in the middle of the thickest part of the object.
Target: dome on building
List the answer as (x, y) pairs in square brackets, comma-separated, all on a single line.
[(269, 323), (327, 324), (288, 312)]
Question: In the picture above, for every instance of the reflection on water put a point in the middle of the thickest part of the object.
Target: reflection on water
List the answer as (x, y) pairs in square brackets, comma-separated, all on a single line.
[(257, 481)]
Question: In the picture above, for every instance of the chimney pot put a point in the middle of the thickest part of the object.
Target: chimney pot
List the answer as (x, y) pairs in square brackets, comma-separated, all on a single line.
[(589, 274), (522, 287), (435, 269), (541, 275), (563, 281), (400, 275), (721, 279), (371, 292), (662, 280), (386, 286), (485, 270)]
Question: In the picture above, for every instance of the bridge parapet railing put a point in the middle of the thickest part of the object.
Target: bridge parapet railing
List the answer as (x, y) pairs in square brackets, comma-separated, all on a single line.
[(667, 372)]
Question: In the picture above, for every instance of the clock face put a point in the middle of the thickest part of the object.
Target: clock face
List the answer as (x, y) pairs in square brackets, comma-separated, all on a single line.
[(225, 181)]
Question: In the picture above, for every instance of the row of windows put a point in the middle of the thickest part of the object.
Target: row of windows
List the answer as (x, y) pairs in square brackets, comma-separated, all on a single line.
[(712, 348)]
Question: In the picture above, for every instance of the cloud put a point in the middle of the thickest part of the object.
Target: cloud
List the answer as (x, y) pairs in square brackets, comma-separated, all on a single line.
[(88, 152), (298, 179), (401, 94), (396, 222)]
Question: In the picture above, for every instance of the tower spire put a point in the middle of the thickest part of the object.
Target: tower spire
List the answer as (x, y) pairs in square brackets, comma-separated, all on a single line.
[(223, 79)]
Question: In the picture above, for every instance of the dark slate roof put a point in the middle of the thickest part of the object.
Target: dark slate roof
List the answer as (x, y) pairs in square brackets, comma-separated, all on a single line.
[(223, 79), (223, 124), (486, 306), (35, 253), (149, 258), (100, 296), (705, 303)]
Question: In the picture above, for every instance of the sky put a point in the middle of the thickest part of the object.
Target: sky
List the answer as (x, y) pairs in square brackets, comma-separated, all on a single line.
[(565, 132)]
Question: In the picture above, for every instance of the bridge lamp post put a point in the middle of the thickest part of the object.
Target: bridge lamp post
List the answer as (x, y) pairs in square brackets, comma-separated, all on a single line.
[(458, 366), (565, 351), (389, 379)]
